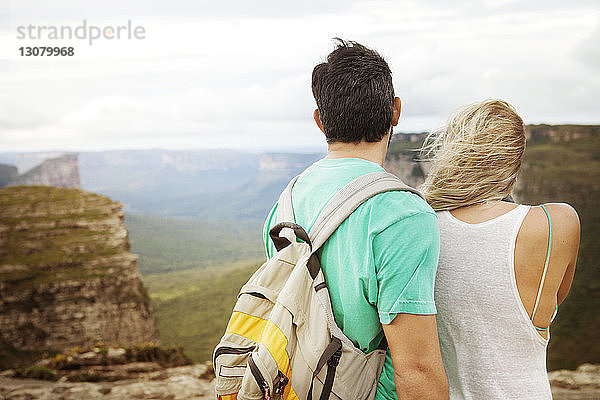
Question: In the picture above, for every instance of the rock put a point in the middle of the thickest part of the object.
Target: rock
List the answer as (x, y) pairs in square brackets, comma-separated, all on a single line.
[(61, 171), (180, 383), (142, 367), (406, 168), (46, 362), (67, 277), (209, 372), (585, 376), (89, 358), (589, 369), (116, 356), (105, 390), (7, 174)]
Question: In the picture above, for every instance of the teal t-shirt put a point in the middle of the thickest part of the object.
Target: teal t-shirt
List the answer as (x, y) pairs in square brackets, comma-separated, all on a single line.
[(380, 262)]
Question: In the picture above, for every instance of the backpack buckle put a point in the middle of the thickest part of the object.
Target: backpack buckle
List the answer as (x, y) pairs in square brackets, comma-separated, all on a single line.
[(334, 360)]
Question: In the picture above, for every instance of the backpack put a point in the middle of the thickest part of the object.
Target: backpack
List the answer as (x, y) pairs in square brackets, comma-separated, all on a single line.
[(282, 331)]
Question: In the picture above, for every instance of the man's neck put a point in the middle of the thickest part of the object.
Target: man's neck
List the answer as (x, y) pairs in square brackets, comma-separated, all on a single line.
[(374, 152)]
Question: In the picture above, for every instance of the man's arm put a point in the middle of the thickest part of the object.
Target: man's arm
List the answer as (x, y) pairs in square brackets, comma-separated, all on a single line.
[(406, 255), (415, 350)]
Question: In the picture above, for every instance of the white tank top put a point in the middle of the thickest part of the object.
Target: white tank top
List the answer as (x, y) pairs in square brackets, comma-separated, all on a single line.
[(490, 348)]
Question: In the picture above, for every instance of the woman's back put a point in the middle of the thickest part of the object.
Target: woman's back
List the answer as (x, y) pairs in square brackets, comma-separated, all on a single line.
[(491, 264)]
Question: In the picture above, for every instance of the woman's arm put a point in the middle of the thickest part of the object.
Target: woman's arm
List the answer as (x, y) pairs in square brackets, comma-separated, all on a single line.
[(568, 231)]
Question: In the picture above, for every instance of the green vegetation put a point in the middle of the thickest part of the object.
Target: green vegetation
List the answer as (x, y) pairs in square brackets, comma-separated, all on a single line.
[(85, 376), (50, 233), (36, 372), (194, 268), (405, 147), (165, 356), (11, 357), (168, 243), (144, 352), (72, 365), (192, 307)]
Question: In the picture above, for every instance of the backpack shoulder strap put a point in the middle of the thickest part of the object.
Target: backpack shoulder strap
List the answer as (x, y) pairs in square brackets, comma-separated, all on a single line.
[(348, 199), (285, 211)]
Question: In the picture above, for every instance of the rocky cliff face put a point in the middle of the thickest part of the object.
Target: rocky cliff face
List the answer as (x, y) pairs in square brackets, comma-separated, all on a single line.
[(62, 171), (276, 166), (67, 277), (406, 167), (560, 133), (7, 174)]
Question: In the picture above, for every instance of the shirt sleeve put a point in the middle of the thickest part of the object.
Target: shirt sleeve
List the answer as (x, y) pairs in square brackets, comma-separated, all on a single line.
[(406, 256), (269, 247)]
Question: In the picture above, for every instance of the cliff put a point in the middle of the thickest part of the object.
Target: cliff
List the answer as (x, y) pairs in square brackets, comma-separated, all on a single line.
[(404, 153), (7, 174), (67, 277), (61, 171), (407, 168), (560, 133), (402, 158)]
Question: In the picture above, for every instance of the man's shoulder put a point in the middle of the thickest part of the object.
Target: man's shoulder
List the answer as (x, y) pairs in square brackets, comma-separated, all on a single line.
[(400, 203), (403, 210)]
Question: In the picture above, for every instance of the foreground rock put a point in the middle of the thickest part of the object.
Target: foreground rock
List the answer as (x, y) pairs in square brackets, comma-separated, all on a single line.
[(179, 383), (586, 376), (147, 380), (581, 384)]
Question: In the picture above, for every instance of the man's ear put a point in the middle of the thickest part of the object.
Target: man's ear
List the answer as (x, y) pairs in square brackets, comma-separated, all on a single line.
[(397, 110), (318, 120)]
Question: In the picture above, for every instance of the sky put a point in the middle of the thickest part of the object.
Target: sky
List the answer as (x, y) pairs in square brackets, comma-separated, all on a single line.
[(236, 74)]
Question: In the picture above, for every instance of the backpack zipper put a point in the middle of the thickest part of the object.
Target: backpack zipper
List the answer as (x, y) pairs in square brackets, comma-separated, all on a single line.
[(260, 380), (257, 294), (231, 350)]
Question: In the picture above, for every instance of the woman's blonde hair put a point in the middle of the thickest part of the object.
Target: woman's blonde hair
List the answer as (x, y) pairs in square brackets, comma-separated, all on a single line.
[(476, 157)]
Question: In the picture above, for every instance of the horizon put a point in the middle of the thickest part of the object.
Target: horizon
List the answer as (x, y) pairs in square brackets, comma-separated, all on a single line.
[(317, 148)]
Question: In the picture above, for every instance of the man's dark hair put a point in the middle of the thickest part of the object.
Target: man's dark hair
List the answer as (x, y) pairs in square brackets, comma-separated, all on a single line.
[(354, 94)]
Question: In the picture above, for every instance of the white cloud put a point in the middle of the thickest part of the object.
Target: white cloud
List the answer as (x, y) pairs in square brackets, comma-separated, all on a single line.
[(226, 74)]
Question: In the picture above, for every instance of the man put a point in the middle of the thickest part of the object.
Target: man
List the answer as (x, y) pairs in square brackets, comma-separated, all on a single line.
[(380, 263)]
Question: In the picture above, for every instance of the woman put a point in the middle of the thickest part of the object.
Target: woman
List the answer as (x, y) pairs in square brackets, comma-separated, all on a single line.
[(504, 268)]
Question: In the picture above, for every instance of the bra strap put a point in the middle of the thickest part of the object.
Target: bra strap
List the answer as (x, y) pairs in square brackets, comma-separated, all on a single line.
[(539, 294), (551, 320)]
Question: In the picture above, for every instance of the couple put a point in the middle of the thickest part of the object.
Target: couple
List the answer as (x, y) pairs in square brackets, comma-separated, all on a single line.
[(497, 270)]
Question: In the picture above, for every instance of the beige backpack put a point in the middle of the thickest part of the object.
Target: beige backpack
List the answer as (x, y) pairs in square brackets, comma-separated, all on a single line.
[(282, 331)]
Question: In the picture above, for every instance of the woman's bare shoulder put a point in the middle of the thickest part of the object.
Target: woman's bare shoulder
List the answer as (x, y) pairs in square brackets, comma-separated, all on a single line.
[(564, 218), (565, 225)]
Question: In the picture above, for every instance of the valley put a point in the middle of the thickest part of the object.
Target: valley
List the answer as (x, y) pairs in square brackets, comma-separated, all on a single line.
[(194, 220), (558, 167)]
